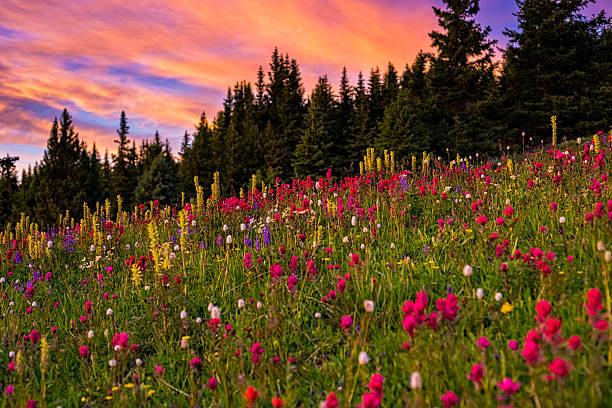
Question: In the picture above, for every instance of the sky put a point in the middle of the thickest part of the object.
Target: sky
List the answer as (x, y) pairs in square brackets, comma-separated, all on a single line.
[(164, 62)]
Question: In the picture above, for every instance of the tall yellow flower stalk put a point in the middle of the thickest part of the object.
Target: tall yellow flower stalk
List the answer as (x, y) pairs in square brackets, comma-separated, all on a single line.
[(414, 164), (596, 142), (215, 188), (119, 210), (199, 196), (183, 240), (392, 161), (154, 238), (553, 119)]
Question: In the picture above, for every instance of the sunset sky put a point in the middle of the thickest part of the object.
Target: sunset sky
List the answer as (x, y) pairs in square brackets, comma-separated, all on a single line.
[(166, 61)]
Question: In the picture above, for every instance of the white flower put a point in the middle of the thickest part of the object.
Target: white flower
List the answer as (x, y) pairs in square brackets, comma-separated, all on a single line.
[(112, 362), (467, 270), (353, 221), (34, 304), (127, 247), (184, 343), (601, 246), (109, 237), (198, 320), (362, 246), (561, 220), (392, 245), (498, 296), (92, 248), (479, 293), (210, 306), (11, 354), (608, 256), (368, 305), (507, 201), (365, 229), (176, 248), (49, 244), (468, 196), (225, 227), (243, 227), (363, 358), (314, 244), (193, 223), (378, 225), (415, 380), (109, 312), (117, 347), (228, 239), (345, 240), (146, 288), (183, 314), (240, 303), (215, 313), (138, 362), (90, 334), (267, 220), (317, 315), (2, 280), (172, 256), (259, 305)]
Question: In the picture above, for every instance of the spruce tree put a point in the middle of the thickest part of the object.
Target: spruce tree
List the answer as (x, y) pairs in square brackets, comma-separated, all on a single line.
[(8, 189), (459, 74), (568, 59)]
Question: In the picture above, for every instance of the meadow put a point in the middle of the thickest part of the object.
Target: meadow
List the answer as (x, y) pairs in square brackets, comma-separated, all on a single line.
[(438, 283)]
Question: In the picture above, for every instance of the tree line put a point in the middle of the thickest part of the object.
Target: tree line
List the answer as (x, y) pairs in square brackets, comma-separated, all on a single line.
[(454, 100)]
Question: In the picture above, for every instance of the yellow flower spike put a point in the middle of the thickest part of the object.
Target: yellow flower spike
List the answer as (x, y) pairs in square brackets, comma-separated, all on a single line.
[(129, 385), (150, 392)]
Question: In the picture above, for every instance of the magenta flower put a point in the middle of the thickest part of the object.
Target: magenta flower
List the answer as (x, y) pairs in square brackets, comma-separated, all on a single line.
[(84, 351), (256, 351), (482, 220), (476, 373), (531, 351), (195, 363), (483, 343), (346, 322), (574, 342), (212, 383), (543, 309), (508, 386), (450, 399), (34, 336), (513, 345), (559, 367), (122, 340)]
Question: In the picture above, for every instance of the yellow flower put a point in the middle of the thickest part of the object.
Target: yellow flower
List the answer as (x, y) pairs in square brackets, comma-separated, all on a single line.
[(129, 385), (150, 392), (506, 307)]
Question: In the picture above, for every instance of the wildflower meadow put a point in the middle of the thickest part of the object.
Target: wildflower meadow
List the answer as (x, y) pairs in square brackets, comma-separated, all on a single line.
[(472, 282)]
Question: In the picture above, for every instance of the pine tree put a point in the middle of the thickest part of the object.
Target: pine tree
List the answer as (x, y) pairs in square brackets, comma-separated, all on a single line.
[(8, 189), (460, 72), (344, 122), (360, 139), (390, 85), (312, 156), (123, 163), (567, 58)]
